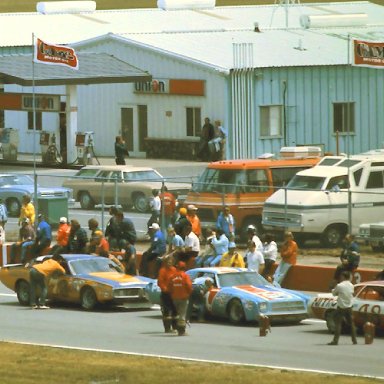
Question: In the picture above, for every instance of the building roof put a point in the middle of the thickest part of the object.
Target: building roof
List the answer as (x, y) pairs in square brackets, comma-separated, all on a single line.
[(94, 68), (175, 32)]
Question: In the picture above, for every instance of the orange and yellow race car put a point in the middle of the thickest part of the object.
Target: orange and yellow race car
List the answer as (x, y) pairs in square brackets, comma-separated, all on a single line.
[(89, 280)]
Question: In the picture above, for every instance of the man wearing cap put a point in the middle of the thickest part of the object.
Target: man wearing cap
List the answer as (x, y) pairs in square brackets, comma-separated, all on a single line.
[(99, 243), (194, 219), (26, 239), (232, 258), (156, 250), (182, 221), (252, 236), (62, 236), (180, 289), (43, 236)]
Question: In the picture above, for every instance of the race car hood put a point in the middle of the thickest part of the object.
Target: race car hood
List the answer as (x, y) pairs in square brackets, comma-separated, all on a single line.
[(117, 280), (264, 293)]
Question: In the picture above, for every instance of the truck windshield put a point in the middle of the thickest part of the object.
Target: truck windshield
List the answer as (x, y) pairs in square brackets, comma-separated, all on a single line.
[(312, 183), (232, 181)]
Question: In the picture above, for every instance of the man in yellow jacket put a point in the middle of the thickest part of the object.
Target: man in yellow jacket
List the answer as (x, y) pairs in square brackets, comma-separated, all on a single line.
[(27, 210), (38, 274)]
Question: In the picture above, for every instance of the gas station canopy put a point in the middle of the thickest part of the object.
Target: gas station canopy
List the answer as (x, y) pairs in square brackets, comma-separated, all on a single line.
[(94, 68)]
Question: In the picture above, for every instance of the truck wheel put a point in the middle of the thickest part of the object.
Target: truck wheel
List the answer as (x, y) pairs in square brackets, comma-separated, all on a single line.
[(13, 206), (333, 236), (86, 201)]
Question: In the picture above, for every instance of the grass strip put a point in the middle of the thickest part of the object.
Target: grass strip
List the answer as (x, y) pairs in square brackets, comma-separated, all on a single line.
[(27, 364)]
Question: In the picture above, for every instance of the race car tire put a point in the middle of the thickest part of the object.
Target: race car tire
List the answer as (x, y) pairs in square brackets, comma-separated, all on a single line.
[(23, 292), (88, 298), (236, 312)]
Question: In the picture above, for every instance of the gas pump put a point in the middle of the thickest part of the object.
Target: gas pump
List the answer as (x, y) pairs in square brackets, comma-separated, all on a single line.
[(84, 145), (49, 151)]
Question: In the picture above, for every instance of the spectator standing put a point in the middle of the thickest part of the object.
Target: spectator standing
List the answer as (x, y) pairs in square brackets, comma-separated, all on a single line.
[(254, 258), (207, 134), (43, 237), (191, 243), (26, 239), (62, 236), (155, 205), (112, 228), (226, 222), (3, 214), (168, 310), (349, 257), (120, 151), (216, 145), (270, 255), (180, 289), (252, 235), (194, 219), (27, 209), (78, 239), (220, 243), (232, 258), (181, 222), (344, 292), (288, 255), (38, 273), (175, 241), (155, 251), (169, 202)]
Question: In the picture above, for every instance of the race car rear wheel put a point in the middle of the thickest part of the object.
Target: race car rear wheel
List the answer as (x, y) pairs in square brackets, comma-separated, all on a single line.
[(88, 298), (236, 312), (23, 292)]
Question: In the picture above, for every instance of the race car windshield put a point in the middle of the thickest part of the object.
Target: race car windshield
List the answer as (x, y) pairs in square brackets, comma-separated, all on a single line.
[(100, 264), (241, 278)]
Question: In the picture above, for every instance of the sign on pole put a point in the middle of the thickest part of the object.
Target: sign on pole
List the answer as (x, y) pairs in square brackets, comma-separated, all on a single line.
[(54, 54), (368, 53)]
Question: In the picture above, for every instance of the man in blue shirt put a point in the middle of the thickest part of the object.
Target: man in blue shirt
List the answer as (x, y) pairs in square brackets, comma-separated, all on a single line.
[(43, 236), (226, 223), (157, 249)]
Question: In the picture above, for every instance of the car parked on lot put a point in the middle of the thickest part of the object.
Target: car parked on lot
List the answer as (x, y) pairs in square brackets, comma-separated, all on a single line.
[(373, 234), (123, 185), (89, 280), (14, 186), (241, 295), (368, 305)]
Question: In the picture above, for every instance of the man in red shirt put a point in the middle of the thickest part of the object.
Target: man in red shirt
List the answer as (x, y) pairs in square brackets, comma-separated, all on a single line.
[(180, 289), (194, 219), (168, 309), (62, 237), (168, 201)]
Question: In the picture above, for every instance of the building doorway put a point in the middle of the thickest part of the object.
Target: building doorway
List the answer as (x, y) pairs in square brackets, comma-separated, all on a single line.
[(134, 128)]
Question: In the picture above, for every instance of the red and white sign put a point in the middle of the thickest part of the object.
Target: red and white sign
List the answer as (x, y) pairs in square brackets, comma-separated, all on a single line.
[(368, 53), (54, 54)]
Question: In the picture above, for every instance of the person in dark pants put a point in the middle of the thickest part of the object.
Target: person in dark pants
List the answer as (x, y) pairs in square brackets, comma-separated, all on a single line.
[(78, 239), (200, 287), (38, 273), (43, 237), (120, 151), (112, 228), (207, 134), (344, 292)]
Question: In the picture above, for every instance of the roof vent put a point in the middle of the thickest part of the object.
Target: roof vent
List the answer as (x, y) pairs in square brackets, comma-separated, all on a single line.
[(53, 7), (169, 5), (345, 20)]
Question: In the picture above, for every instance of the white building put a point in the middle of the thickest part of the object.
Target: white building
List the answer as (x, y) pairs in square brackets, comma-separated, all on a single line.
[(274, 76)]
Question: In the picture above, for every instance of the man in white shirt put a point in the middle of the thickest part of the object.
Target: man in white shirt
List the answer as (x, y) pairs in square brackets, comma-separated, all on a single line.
[(254, 258), (191, 244), (252, 235), (344, 292), (155, 205)]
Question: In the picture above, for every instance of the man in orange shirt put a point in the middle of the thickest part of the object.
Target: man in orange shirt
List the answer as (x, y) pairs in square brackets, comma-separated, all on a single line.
[(180, 289), (288, 255), (168, 201), (194, 220), (38, 273), (168, 309), (62, 236)]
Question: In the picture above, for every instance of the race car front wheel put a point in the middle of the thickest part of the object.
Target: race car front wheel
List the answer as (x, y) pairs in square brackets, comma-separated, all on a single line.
[(88, 298), (236, 312), (23, 292)]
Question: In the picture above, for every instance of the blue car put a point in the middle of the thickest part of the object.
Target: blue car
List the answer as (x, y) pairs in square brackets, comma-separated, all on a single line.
[(241, 295)]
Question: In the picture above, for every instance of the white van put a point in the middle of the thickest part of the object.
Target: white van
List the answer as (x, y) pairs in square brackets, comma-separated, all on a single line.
[(316, 202)]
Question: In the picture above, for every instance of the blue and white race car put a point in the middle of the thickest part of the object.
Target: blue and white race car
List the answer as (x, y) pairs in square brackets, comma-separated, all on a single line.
[(242, 295)]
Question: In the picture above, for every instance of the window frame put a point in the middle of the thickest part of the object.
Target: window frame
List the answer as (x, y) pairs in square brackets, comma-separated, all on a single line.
[(352, 129), (193, 129), (262, 134)]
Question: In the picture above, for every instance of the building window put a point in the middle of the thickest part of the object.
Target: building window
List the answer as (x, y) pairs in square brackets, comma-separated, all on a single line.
[(193, 121), (39, 118), (271, 120), (344, 117)]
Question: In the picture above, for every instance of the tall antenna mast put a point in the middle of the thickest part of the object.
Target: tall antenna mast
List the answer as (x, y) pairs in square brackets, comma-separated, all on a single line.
[(286, 4)]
